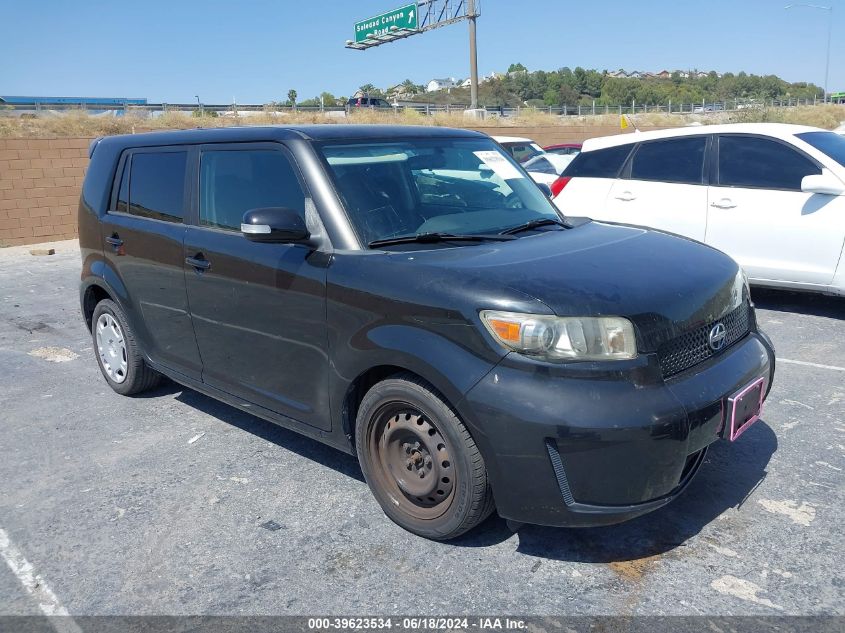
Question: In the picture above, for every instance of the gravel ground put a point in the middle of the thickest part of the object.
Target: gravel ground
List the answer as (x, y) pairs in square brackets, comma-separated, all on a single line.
[(120, 513)]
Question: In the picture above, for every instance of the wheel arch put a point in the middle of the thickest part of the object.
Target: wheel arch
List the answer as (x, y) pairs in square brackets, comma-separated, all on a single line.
[(91, 296), (368, 378)]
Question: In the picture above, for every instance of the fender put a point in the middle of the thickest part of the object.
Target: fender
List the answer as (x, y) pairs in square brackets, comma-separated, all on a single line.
[(442, 355)]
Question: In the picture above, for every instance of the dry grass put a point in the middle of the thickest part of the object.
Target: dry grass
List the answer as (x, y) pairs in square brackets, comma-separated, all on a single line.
[(81, 124)]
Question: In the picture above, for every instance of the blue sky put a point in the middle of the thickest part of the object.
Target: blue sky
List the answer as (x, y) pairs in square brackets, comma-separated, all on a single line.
[(255, 50)]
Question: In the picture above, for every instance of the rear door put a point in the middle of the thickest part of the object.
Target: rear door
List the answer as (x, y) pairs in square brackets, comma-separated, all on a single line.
[(590, 176), (663, 187), (259, 310), (144, 233), (759, 215)]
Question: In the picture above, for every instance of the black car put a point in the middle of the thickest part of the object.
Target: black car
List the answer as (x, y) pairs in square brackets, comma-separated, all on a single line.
[(367, 102), (409, 295)]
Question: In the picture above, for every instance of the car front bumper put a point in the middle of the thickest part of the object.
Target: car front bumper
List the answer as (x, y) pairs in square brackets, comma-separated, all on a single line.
[(588, 445)]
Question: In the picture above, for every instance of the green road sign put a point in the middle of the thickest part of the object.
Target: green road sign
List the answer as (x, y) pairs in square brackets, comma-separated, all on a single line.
[(402, 18)]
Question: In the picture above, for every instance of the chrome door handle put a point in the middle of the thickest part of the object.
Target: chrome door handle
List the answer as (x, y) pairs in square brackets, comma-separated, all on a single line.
[(626, 196), (200, 263), (724, 203)]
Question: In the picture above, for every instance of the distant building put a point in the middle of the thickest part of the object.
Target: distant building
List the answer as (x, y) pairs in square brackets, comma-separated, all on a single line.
[(441, 84), (618, 74), (664, 74)]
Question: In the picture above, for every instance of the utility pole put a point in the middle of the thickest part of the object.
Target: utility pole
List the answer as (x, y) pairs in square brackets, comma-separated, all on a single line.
[(473, 56), (829, 37)]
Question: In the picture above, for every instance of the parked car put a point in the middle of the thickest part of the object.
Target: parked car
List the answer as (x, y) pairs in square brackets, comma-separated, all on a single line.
[(564, 149), (770, 195), (409, 296), (840, 129), (542, 167), (367, 102)]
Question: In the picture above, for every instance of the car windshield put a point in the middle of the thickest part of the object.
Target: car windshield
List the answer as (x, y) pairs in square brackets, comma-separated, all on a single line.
[(827, 142), (417, 186), (523, 151)]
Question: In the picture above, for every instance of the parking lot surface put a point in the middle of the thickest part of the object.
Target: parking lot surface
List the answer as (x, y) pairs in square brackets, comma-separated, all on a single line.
[(173, 503)]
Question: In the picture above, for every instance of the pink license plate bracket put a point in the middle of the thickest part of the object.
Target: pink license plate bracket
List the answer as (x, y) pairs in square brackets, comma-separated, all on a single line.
[(745, 408)]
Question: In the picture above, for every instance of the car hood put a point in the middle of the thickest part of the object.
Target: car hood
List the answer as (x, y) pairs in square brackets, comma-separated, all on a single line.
[(664, 284)]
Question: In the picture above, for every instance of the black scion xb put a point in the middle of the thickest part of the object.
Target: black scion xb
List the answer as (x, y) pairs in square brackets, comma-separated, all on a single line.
[(411, 296)]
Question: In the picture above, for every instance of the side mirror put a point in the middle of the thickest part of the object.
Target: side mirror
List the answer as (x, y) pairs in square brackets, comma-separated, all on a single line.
[(274, 224), (825, 183), (545, 189)]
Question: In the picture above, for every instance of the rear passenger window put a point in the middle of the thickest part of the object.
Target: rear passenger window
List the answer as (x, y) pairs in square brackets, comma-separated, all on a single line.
[(673, 160), (600, 163), (123, 192), (157, 185), (234, 181), (747, 161)]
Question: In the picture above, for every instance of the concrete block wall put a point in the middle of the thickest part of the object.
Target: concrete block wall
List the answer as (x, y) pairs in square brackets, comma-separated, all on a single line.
[(40, 181)]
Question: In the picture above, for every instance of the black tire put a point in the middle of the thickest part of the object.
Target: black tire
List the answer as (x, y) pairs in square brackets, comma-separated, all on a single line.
[(137, 376), (401, 412)]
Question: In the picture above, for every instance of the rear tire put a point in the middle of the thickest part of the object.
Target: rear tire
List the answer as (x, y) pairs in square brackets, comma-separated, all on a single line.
[(117, 351), (420, 461)]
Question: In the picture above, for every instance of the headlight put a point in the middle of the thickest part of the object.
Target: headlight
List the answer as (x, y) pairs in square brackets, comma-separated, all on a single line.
[(577, 338)]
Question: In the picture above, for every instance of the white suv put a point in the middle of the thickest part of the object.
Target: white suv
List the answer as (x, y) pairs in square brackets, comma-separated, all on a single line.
[(770, 195)]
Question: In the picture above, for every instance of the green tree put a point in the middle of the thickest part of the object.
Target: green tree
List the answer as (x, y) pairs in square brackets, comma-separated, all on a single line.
[(515, 68), (292, 98)]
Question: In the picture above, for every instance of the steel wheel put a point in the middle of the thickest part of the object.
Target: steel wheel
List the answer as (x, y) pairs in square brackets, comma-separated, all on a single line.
[(412, 461), (111, 347)]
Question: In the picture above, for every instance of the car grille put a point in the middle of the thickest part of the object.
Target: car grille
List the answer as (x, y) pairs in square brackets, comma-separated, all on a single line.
[(692, 348)]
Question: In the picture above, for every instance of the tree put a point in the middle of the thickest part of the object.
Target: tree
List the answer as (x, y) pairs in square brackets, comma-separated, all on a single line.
[(567, 95), (517, 68), (292, 97)]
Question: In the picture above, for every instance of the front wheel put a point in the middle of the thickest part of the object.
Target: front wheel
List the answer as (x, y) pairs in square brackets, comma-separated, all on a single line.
[(420, 461)]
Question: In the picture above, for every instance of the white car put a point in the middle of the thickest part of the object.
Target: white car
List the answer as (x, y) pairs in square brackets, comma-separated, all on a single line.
[(541, 165), (840, 129), (770, 195)]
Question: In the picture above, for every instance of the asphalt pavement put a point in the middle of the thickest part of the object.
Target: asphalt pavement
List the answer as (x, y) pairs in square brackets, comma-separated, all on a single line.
[(173, 503)]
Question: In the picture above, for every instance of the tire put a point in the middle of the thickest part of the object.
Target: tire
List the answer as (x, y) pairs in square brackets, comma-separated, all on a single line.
[(117, 351), (420, 461)]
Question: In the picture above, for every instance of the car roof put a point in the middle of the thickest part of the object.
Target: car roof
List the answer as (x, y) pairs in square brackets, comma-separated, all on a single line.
[(318, 132), (511, 139), (778, 130), (562, 145)]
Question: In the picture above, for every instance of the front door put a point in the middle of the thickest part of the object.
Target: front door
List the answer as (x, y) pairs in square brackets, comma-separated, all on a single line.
[(759, 215), (143, 236), (663, 188), (259, 310)]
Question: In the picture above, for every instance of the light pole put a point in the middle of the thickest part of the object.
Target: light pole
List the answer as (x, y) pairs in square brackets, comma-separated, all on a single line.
[(473, 57), (202, 113), (829, 34)]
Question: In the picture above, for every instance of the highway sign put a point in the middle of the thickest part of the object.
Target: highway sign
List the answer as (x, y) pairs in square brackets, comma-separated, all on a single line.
[(402, 18)]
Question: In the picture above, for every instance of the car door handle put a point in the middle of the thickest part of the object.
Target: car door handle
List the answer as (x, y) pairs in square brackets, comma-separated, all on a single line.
[(626, 196), (199, 262), (724, 203), (115, 240)]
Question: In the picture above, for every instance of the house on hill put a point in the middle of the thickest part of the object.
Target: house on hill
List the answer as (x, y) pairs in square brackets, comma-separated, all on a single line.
[(441, 84)]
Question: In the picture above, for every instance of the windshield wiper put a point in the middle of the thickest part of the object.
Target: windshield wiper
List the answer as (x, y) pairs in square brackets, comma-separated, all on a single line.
[(430, 238), (533, 224)]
